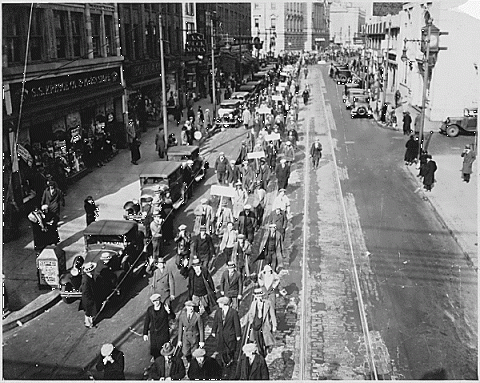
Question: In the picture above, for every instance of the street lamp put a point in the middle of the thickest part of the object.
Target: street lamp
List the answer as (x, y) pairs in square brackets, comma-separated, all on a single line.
[(211, 17), (164, 90)]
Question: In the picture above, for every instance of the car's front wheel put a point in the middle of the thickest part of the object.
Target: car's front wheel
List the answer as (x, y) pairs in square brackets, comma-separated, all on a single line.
[(453, 130), (362, 111)]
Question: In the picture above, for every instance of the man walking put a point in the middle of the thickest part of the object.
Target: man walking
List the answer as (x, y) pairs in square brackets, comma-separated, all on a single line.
[(429, 173), (468, 157), (282, 172), (53, 197), (231, 284), (201, 289), (221, 168), (316, 153), (162, 282), (191, 333), (202, 247), (247, 222)]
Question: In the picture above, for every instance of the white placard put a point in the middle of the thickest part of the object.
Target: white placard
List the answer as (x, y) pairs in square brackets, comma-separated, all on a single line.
[(225, 191), (277, 97), (264, 110), (254, 155), (272, 137)]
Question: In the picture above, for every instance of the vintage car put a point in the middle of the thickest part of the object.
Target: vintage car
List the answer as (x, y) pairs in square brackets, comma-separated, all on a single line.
[(120, 239), (452, 126), (361, 107), (351, 93), (242, 96), (260, 76), (156, 179), (342, 75), (185, 153), (229, 114)]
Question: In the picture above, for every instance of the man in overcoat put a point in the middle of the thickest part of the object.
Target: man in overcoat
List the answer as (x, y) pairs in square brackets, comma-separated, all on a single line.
[(53, 197), (429, 173), (247, 222), (252, 365), (316, 153), (263, 174), (167, 365), (201, 288), (247, 176), (468, 157), (203, 367), (157, 324), (112, 362), (202, 247), (221, 168), (282, 172), (191, 333), (231, 284), (272, 248), (226, 330), (89, 296), (241, 254), (162, 281)]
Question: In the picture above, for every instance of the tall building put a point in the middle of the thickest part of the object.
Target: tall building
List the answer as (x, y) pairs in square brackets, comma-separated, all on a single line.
[(317, 30), (346, 21), (51, 105)]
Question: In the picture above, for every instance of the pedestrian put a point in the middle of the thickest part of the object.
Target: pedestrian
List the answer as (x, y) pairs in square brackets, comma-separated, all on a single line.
[(229, 238), (203, 367), (283, 202), (242, 253), (187, 178), (316, 153), (221, 168), (247, 118), (178, 114), (37, 219), (263, 174), (239, 200), (289, 153), (269, 280), (247, 222), (51, 224), (91, 209), (201, 289), (231, 284), (53, 197), (305, 96), (133, 141), (156, 324), (282, 172), (383, 115), (182, 258), (112, 362), (157, 236), (468, 157), (203, 216), (184, 136), (231, 174), (160, 143), (200, 112), (202, 247), (412, 150), (407, 121), (227, 331), (89, 298), (279, 218), (262, 320), (271, 153), (162, 281), (167, 216), (252, 365), (272, 248), (429, 173), (190, 130), (247, 176), (305, 71), (258, 202), (191, 333), (223, 216), (191, 113), (168, 366)]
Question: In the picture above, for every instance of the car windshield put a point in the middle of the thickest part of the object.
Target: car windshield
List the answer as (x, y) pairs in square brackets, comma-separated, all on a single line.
[(228, 106), (100, 239), (361, 99)]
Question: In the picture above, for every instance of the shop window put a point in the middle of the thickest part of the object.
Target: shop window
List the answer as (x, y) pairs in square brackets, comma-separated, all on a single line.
[(77, 25), (14, 35), (36, 35), (96, 41), (60, 22), (150, 33), (109, 36)]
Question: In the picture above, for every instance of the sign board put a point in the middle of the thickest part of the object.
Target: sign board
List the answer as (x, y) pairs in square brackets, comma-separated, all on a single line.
[(277, 98), (255, 155), (51, 263), (222, 191), (264, 110), (25, 155), (272, 137), (280, 88)]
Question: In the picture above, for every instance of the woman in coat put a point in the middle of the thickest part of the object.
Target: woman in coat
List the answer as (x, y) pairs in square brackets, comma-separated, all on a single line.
[(89, 298), (412, 150), (468, 157), (429, 173), (157, 323)]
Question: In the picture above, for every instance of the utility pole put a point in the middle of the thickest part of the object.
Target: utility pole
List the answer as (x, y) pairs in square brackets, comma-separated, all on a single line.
[(164, 89), (240, 48), (426, 64), (385, 75), (210, 15)]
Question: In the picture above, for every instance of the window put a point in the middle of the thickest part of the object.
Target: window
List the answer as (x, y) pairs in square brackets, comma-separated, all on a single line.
[(273, 22), (256, 5), (256, 23), (189, 10), (60, 23), (274, 5), (77, 24), (190, 27), (150, 33), (109, 36), (128, 52), (14, 36), (36, 35), (97, 48)]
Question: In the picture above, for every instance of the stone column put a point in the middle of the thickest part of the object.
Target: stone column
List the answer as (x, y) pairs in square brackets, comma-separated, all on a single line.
[(88, 30)]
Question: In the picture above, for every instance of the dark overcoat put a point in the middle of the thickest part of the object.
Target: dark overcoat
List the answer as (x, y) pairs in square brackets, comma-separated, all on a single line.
[(258, 370), (157, 322), (468, 159), (113, 371), (210, 369), (429, 173), (89, 301), (226, 332), (157, 369)]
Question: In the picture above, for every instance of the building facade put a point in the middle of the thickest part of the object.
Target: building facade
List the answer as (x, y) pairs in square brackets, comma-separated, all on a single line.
[(317, 31), (52, 104), (346, 21)]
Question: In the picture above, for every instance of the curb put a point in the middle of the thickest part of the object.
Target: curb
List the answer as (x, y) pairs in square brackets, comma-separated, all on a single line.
[(444, 224), (31, 311)]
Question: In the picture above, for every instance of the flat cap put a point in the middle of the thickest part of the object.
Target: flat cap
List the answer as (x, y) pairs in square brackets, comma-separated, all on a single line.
[(199, 352)]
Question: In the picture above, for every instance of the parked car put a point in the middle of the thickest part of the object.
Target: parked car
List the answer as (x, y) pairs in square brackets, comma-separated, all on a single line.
[(342, 76), (161, 176), (123, 241), (185, 153), (351, 93), (452, 126), (229, 114), (242, 96), (361, 107)]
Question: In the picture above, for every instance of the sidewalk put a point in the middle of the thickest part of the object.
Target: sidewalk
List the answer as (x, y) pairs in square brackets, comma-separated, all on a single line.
[(111, 186), (454, 202)]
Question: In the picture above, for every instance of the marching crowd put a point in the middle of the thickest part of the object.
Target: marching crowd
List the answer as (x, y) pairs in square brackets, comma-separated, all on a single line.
[(224, 231)]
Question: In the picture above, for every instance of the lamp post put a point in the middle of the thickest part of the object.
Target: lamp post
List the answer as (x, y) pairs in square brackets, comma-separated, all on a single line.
[(214, 85), (385, 75), (164, 89)]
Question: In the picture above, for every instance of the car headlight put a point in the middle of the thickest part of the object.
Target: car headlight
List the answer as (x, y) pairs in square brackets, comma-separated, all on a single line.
[(447, 121), (230, 115), (120, 252)]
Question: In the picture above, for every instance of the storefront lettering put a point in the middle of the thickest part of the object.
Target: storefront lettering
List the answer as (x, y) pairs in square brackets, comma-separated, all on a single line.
[(145, 69)]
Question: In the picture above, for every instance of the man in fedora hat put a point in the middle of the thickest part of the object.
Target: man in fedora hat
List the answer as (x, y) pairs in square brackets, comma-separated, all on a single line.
[(469, 157), (89, 300), (282, 171), (252, 365), (162, 281), (272, 248), (261, 317), (157, 324), (221, 168), (231, 284), (112, 362), (190, 330), (232, 173), (53, 197), (289, 153), (283, 202), (202, 247), (223, 216), (407, 122), (263, 173), (168, 365), (203, 216), (247, 176), (316, 153), (182, 257), (229, 238), (247, 222), (279, 218), (201, 288), (157, 236), (226, 330), (104, 275), (203, 367), (269, 280), (239, 199)]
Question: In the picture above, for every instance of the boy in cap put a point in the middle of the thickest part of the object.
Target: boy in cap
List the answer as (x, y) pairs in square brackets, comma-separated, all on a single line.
[(203, 367), (167, 366), (226, 330), (112, 362), (190, 330), (89, 293), (156, 323)]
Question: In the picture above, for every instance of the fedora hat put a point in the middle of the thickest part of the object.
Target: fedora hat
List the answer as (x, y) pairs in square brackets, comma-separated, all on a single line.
[(89, 267), (199, 352), (106, 349), (223, 300), (167, 349), (182, 227)]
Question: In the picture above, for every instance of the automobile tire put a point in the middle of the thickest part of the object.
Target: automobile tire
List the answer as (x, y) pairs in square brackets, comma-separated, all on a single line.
[(68, 287), (362, 111), (343, 78), (453, 130)]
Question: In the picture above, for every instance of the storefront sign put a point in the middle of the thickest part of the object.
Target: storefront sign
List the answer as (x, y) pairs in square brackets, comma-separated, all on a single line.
[(25, 155), (45, 89), (142, 71)]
